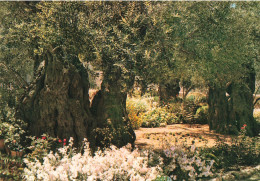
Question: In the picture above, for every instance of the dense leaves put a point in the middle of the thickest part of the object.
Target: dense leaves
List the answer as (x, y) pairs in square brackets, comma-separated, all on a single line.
[(199, 44)]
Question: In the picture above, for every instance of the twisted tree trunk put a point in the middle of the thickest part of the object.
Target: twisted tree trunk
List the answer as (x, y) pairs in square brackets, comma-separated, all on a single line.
[(218, 110), (242, 103), (109, 107), (57, 103), (227, 114)]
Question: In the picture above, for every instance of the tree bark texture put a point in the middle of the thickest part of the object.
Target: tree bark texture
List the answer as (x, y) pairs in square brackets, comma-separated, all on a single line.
[(109, 107), (242, 103), (227, 114), (218, 109), (57, 103), (241, 108)]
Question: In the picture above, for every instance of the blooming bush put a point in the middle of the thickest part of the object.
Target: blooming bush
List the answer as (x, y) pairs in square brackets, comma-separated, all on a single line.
[(135, 118), (183, 162), (135, 108), (110, 164), (40, 147), (157, 116)]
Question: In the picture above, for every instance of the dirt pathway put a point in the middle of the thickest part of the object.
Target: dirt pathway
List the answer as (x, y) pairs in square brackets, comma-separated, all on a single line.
[(158, 138)]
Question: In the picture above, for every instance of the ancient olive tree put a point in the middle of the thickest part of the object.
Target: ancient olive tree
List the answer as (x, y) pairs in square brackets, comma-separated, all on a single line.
[(217, 42), (58, 37)]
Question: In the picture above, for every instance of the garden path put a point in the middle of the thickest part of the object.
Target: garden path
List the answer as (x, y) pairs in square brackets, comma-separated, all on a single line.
[(158, 138)]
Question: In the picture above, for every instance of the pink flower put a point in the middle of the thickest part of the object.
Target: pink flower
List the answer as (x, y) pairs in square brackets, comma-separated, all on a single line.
[(64, 140), (60, 141), (244, 125)]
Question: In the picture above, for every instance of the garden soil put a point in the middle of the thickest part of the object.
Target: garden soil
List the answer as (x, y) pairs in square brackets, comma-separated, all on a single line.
[(176, 134)]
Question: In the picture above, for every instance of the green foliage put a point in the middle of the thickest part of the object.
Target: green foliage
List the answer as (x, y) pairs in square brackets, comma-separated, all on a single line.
[(188, 112), (197, 98), (145, 112), (158, 116), (112, 133), (40, 147), (202, 115), (10, 168), (12, 130), (243, 150)]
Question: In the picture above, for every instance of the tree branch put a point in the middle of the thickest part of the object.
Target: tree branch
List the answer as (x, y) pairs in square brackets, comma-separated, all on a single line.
[(19, 78)]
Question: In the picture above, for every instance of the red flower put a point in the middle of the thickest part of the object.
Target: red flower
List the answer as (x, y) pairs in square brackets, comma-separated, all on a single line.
[(64, 143), (244, 125), (60, 141), (37, 138), (44, 137), (64, 140)]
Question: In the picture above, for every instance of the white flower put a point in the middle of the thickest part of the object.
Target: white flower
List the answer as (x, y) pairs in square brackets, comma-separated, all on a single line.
[(192, 149), (113, 163)]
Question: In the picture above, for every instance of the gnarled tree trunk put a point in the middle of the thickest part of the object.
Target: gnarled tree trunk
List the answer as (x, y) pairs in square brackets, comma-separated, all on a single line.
[(227, 114), (218, 109), (57, 103), (109, 105), (242, 104)]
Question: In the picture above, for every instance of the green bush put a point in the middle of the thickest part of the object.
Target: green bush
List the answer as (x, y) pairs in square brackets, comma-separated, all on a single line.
[(14, 137), (145, 112), (191, 98), (40, 147), (10, 168), (243, 150), (189, 111), (201, 115), (157, 116)]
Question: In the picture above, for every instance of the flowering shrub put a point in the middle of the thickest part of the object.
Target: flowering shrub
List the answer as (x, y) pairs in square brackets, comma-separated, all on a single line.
[(111, 164), (182, 162), (157, 116), (40, 147), (135, 119), (135, 108), (243, 130), (147, 113)]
